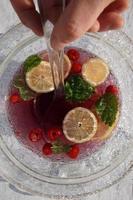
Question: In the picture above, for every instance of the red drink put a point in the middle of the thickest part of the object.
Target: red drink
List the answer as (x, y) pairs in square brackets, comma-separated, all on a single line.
[(27, 116)]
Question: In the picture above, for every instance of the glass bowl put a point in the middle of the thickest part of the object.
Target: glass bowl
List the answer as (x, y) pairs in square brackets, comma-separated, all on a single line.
[(97, 170), (128, 20)]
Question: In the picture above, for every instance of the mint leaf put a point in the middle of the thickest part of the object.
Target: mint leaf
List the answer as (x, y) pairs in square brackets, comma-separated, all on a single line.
[(67, 148), (18, 82), (58, 147), (30, 62), (25, 92), (107, 108), (68, 91), (101, 106), (77, 89)]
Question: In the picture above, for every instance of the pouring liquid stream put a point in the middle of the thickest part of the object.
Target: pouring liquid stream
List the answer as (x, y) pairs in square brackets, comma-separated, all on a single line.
[(56, 59)]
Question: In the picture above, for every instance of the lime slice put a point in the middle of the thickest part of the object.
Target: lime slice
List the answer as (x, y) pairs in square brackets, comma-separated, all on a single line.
[(79, 125), (104, 131), (39, 79), (95, 71)]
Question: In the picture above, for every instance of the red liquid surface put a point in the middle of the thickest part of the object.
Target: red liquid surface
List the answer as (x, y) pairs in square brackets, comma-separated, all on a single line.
[(39, 113)]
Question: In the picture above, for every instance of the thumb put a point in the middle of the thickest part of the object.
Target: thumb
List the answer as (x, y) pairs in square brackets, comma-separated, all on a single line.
[(77, 18)]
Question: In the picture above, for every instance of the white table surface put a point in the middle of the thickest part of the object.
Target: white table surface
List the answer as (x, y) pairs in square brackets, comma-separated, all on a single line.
[(123, 190)]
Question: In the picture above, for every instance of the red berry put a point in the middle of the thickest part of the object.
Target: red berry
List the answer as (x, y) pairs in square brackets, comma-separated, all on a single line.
[(15, 98), (74, 151), (54, 134), (73, 54), (36, 134), (112, 89), (47, 149), (76, 67)]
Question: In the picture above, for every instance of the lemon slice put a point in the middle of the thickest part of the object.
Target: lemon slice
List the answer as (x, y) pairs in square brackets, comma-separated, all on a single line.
[(67, 62), (104, 131), (95, 71), (67, 66), (79, 125), (39, 78)]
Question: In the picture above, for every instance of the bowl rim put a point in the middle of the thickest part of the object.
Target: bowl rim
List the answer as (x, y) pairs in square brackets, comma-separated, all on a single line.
[(33, 37)]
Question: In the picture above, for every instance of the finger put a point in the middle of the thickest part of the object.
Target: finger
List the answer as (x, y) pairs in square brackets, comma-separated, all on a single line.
[(110, 21), (118, 5), (28, 15), (54, 13), (95, 27), (77, 18)]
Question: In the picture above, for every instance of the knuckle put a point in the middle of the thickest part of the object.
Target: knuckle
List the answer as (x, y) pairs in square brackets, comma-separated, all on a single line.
[(73, 31), (126, 4), (120, 23)]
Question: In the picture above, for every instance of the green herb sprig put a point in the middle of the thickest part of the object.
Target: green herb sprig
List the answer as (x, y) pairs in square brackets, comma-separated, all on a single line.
[(107, 108), (30, 62), (77, 89), (25, 93), (59, 147)]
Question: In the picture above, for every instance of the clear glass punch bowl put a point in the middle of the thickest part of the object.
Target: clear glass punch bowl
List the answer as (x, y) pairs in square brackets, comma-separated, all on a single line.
[(88, 174)]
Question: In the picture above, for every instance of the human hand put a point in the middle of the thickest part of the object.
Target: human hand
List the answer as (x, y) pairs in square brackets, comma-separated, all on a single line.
[(77, 18)]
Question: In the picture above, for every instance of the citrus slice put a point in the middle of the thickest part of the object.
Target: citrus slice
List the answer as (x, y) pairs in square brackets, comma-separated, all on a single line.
[(67, 66), (67, 62), (39, 78), (95, 71), (79, 125), (104, 131)]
